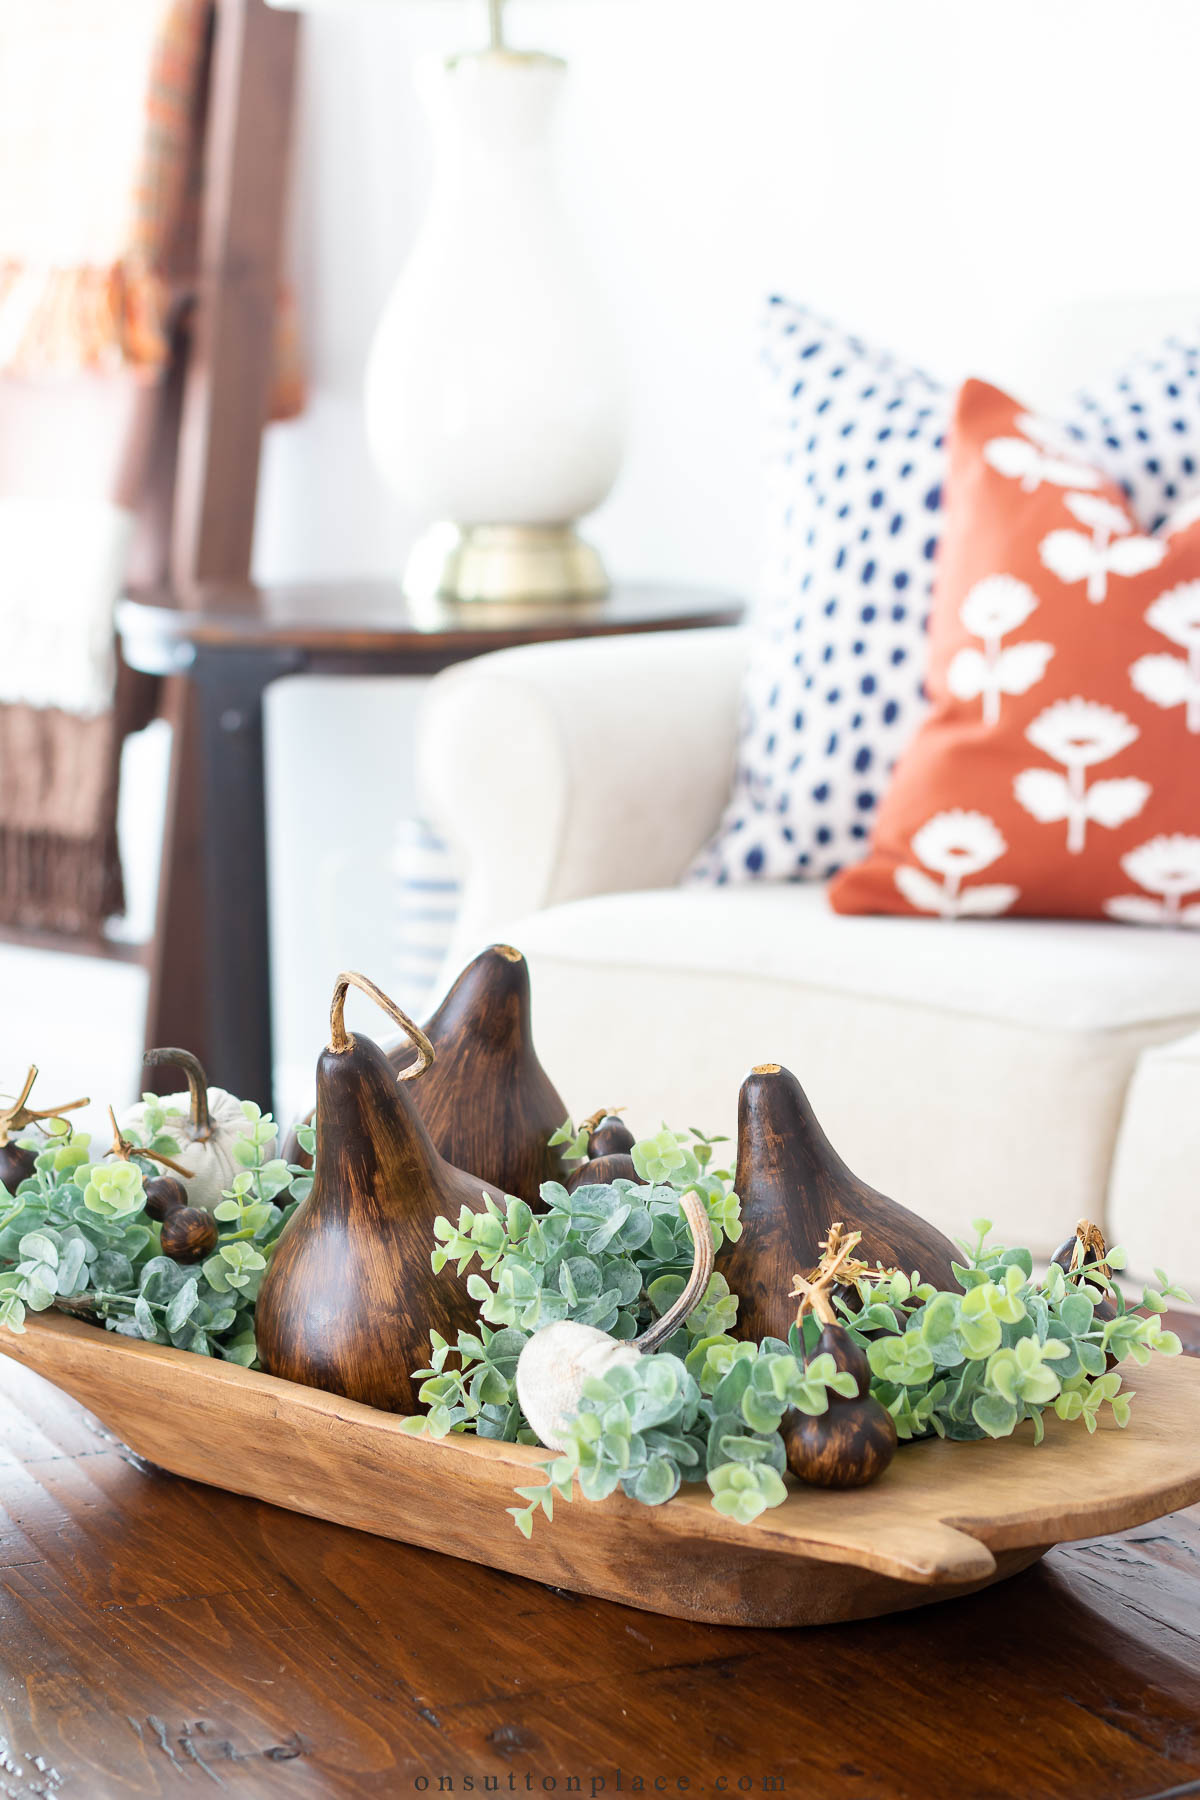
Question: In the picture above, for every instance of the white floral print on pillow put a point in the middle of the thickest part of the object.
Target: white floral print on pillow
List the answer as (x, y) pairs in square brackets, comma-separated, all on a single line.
[(1047, 458), (955, 845), (1168, 866), (1079, 733), (1174, 680), (994, 606), (1112, 548)]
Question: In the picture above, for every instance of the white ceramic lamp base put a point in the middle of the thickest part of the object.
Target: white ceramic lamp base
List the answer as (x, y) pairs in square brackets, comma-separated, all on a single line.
[(494, 392)]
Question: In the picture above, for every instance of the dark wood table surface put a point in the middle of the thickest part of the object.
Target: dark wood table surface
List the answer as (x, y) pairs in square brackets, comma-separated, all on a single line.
[(162, 1638), (212, 965)]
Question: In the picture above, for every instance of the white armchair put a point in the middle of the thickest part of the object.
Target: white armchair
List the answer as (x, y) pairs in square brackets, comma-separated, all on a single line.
[(968, 1069)]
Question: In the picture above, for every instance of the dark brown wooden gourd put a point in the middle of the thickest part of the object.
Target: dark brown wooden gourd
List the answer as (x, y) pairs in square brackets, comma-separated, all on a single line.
[(854, 1441), (487, 1102), (793, 1185), (349, 1299)]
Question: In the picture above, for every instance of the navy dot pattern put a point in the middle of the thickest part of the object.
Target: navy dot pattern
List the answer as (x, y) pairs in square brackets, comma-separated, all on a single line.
[(833, 690)]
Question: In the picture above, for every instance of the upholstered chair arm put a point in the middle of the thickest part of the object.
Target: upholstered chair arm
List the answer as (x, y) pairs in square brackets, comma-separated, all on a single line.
[(567, 769)]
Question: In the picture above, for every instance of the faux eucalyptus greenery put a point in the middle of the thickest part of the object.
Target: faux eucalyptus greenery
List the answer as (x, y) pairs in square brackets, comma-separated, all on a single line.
[(77, 1235)]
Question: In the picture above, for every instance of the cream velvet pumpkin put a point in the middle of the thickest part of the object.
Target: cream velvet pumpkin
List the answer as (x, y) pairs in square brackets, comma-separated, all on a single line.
[(206, 1133)]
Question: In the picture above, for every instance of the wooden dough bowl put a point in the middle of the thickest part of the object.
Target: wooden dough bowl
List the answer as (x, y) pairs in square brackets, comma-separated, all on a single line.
[(945, 1520)]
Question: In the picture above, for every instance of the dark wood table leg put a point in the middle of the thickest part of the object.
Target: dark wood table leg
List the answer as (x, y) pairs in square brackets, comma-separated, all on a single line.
[(178, 952), (229, 688)]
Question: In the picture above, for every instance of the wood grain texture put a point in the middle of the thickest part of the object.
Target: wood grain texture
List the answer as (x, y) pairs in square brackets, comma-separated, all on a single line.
[(487, 1102), (151, 1624), (793, 1186), (349, 1298), (945, 1520)]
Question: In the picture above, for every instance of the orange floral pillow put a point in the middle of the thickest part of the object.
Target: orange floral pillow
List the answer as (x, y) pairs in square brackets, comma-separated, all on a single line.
[(1058, 772)]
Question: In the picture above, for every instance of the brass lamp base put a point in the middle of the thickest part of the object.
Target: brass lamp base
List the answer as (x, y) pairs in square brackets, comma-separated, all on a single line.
[(503, 565)]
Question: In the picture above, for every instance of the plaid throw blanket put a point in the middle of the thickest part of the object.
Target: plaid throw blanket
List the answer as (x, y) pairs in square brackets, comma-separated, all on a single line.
[(101, 119)]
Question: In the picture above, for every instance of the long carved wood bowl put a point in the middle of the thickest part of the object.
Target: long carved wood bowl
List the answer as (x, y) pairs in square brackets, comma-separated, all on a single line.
[(946, 1519)]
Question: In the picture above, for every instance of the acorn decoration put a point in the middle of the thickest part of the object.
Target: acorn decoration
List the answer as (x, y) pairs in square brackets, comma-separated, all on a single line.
[(609, 1141), (487, 1102), (188, 1232), (792, 1182), (854, 1440), (17, 1163), (349, 1298)]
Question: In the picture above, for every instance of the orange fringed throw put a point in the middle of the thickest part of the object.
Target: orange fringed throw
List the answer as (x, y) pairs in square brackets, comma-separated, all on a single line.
[(101, 113)]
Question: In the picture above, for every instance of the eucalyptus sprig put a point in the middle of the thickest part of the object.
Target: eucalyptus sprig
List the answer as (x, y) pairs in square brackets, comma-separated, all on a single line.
[(76, 1236), (1009, 1346)]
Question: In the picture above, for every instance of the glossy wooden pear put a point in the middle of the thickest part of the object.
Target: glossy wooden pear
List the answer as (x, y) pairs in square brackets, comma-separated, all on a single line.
[(487, 1102), (793, 1186), (349, 1298)]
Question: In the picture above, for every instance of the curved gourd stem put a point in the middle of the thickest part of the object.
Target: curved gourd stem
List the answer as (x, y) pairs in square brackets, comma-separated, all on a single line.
[(124, 1151), (697, 1282), (200, 1119), (16, 1117), (340, 1039)]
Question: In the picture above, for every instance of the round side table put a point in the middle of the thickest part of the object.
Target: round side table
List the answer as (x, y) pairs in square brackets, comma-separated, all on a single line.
[(210, 974)]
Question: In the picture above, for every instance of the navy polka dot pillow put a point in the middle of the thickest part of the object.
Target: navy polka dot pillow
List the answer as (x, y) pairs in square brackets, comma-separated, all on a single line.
[(833, 688)]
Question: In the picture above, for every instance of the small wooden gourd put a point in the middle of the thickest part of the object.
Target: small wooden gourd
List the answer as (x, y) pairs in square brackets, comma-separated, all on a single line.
[(792, 1183), (854, 1440), (609, 1143), (349, 1298)]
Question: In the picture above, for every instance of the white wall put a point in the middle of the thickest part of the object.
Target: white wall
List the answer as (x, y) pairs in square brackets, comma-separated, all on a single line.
[(935, 172)]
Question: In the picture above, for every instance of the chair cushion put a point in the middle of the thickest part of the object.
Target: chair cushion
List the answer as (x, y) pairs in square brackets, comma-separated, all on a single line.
[(967, 1072), (1043, 973)]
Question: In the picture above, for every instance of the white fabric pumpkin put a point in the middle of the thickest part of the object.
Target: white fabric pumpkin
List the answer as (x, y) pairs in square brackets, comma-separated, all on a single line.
[(553, 1367), (206, 1133), (558, 1359)]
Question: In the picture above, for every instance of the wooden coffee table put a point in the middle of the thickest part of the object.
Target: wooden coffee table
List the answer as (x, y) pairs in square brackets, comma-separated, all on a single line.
[(162, 1638)]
